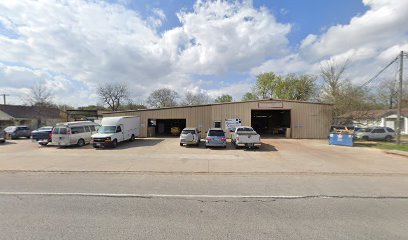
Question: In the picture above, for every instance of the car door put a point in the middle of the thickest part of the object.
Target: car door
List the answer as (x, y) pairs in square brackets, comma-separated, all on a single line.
[(120, 133), (378, 133)]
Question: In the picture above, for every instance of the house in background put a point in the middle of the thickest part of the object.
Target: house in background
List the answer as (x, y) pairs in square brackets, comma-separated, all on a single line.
[(31, 116), (373, 118)]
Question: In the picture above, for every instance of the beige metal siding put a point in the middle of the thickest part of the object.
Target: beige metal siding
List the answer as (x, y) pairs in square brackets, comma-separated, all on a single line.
[(308, 120)]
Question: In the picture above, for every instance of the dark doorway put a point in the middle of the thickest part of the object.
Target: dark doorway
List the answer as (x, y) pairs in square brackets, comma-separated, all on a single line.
[(163, 127), (271, 122)]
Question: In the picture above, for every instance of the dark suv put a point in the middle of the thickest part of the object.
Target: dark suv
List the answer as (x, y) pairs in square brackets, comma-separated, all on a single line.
[(15, 132)]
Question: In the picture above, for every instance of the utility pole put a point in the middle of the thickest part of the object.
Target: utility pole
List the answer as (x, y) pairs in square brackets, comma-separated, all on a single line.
[(399, 98), (4, 98)]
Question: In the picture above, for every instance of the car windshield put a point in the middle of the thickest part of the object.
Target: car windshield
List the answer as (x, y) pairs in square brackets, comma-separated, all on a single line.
[(107, 129), (44, 129), (245, 130), (188, 131), (216, 133)]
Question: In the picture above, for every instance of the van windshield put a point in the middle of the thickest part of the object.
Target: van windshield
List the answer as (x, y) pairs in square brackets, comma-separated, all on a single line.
[(107, 129)]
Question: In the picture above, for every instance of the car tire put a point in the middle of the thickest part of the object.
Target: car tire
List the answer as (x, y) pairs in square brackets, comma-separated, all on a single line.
[(132, 138), (181, 144), (365, 138), (81, 143), (43, 144), (388, 138)]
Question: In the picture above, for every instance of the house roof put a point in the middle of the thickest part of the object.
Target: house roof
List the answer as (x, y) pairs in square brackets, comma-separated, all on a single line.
[(28, 112), (373, 114)]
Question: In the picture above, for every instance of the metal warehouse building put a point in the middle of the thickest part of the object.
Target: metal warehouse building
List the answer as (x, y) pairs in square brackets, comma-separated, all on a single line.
[(294, 119)]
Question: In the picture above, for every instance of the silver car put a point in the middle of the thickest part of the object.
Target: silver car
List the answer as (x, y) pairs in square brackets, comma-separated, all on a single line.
[(190, 136), (375, 133), (216, 138)]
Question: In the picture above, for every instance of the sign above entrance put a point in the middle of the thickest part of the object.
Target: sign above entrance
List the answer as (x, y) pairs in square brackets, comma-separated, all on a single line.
[(270, 104)]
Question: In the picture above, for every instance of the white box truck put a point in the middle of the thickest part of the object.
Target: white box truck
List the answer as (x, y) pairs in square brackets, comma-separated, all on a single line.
[(114, 130)]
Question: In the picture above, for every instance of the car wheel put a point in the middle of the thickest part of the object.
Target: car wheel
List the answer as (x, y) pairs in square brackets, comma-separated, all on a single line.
[(388, 138), (81, 142), (132, 138), (365, 138), (115, 143), (43, 144)]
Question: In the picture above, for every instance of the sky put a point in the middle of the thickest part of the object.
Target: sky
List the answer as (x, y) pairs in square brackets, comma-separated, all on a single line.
[(214, 47)]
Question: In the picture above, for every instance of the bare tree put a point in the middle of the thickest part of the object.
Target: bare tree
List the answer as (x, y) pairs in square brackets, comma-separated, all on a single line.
[(113, 95), (195, 99), (39, 96), (163, 97), (333, 78)]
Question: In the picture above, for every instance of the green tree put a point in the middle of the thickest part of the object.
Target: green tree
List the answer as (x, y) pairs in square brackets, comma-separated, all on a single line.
[(223, 98), (265, 83), (291, 86), (295, 87), (249, 96)]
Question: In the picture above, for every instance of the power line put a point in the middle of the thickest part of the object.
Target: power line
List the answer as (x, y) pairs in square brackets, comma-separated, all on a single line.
[(379, 73)]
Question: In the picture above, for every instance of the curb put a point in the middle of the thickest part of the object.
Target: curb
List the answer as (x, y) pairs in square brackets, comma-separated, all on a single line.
[(209, 173), (396, 152)]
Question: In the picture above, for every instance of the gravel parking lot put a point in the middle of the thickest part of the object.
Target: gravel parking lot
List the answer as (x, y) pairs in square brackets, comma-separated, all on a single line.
[(165, 155)]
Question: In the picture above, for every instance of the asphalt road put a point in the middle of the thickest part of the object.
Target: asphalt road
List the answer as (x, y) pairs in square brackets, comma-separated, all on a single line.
[(190, 206)]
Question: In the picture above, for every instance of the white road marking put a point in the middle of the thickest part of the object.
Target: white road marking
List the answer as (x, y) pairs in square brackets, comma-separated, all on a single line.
[(190, 196)]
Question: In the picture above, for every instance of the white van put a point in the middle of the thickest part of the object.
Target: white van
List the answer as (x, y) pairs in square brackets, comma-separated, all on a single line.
[(73, 133), (114, 130)]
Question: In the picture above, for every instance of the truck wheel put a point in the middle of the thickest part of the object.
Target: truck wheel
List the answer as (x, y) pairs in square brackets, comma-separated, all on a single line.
[(388, 138), (81, 142), (115, 143), (132, 138)]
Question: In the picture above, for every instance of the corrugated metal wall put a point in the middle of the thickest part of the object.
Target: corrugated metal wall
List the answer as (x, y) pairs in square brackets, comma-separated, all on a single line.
[(308, 120)]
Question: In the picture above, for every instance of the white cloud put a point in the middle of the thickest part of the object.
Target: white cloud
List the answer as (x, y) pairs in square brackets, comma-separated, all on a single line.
[(85, 43), (370, 40)]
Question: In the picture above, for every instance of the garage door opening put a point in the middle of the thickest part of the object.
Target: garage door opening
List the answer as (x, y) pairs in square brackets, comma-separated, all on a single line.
[(271, 122), (167, 127)]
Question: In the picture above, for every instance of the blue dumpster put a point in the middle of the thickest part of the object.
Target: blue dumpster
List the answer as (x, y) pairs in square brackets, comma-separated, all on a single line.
[(342, 139)]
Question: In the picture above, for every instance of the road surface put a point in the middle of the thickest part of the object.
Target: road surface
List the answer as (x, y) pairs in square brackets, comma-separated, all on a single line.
[(203, 206)]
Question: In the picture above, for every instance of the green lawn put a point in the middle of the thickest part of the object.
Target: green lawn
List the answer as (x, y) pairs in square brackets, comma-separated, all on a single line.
[(383, 145)]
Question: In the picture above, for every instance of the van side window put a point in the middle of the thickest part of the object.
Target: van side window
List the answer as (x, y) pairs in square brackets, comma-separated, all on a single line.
[(118, 129), (87, 129), (76, 130)]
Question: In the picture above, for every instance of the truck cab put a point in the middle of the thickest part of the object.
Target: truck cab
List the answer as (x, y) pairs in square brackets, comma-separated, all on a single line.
[(114, 130)]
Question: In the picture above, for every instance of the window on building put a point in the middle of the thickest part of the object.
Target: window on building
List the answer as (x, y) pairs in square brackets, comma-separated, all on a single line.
[(217, 124)]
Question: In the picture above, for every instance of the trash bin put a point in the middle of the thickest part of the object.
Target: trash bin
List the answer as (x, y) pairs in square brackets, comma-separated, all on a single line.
[(341, 139)]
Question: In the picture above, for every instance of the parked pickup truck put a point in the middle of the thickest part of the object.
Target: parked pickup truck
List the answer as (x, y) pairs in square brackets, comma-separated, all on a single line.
[(42, 135), (245, 137)]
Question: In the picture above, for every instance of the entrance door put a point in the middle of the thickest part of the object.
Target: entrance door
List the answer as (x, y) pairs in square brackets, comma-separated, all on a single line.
[(270, 122)]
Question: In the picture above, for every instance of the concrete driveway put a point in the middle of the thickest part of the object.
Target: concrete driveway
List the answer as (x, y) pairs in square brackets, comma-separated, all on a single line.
[(165, 155)]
